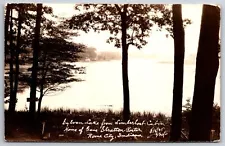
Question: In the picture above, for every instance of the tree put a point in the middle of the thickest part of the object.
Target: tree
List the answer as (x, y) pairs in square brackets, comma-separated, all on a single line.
[(56, 66), (206, 71), (43, 34), (128, 24), (11, 78), (186, 115), (55, 56), (12, 51), (178, 33), (7, 15), (35, 61), (53, 44), (21, 36), (16, 76), (15, 50)]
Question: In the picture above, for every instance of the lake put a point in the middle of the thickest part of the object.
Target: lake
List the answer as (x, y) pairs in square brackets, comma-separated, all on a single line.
[(150, 81)]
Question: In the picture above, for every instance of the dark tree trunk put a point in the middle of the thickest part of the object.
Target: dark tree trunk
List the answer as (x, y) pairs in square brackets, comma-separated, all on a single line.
[(44, 72), (40, 99), (16, 76), (32, 107), (6, 29), (12, 101), (126, 104), (179, 49), (207, 65)]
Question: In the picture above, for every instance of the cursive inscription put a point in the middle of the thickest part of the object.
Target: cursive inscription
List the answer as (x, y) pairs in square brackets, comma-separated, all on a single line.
[(118, 129)]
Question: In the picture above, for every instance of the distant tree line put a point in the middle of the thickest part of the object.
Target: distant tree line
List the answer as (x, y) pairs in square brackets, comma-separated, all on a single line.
[(91, 54)]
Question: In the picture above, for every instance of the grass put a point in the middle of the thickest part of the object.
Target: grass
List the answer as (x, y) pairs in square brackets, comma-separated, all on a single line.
[(19, 127)]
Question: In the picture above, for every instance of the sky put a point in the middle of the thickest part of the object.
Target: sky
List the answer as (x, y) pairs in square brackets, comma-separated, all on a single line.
[(158, 44)]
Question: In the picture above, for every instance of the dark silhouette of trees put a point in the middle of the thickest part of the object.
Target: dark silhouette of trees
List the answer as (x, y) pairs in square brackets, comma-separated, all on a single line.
[(56, 66), (14, 41), (11, 78), (186, 118), (21, 38), (52, 68), (16, 75), (179, 49), (186, 115), (7, 15), (33, 84), (55, 53), (56, 59), (126, 96), (128, 24), (206, 71), (7, 18)]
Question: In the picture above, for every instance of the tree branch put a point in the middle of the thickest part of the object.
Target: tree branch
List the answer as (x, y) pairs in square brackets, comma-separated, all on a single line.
[(125, 7), (131, 43), (132, 40), (118, 8), (46, 91), (52, 87)]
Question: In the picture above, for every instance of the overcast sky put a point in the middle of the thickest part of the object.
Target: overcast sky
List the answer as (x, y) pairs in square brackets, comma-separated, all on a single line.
[(158, 43)]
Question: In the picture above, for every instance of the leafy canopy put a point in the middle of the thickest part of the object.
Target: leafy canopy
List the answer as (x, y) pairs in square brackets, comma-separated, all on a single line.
[(55, 53), (140, 19)]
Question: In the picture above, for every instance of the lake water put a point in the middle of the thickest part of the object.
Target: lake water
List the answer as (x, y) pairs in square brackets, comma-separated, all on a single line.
[(151, 87)]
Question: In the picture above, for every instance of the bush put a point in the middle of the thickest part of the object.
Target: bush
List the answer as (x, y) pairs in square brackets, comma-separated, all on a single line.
[(186, 118)]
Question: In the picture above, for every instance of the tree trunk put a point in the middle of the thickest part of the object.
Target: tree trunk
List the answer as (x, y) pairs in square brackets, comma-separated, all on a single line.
[(6, 29), (40, 99), (207, 65), (126, 104), (32, 107), (12, 101), (44, 72), (16, 75), (179, 49)]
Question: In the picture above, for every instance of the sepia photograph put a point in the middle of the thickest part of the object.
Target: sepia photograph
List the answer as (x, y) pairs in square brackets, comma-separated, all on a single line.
[(111, 73)]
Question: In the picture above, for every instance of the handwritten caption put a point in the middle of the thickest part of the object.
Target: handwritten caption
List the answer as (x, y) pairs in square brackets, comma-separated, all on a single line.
[(118, 129)]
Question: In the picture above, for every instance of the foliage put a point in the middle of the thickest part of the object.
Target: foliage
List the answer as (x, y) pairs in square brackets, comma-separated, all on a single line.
[(28, 16), (186, 114), (55, 66), (128, 24), (187, 106), (55, 55), (140, 20)]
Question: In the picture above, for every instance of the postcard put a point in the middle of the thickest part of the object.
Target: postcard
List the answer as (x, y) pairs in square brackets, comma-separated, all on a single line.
[(112, 72)]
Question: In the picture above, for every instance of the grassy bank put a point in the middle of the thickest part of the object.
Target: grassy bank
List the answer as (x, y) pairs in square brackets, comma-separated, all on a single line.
[(64, 125)]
